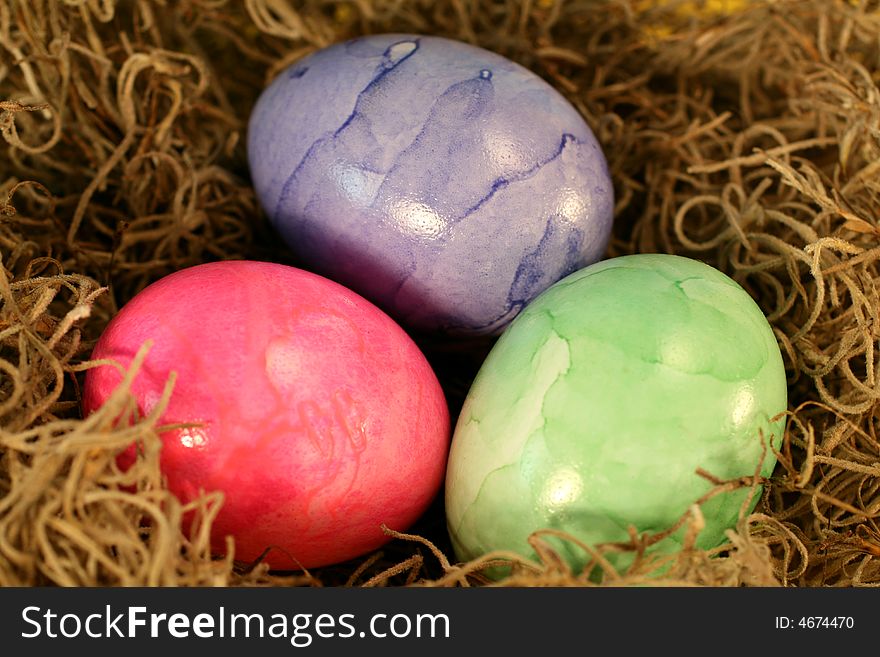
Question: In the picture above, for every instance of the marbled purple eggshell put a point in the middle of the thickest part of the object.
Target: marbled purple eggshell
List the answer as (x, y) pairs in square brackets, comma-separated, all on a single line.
[(444, 182)]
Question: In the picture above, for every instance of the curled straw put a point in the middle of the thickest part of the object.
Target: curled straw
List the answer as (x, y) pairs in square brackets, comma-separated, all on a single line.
[(749, 139)]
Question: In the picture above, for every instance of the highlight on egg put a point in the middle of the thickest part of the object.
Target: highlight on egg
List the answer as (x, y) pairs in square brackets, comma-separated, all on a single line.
[(445, 183), (309, 408), (595, 409)]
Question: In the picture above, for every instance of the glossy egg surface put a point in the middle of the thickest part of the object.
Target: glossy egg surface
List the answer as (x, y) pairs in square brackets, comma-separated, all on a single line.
[(444, 182), (311, 410), (598, 405)]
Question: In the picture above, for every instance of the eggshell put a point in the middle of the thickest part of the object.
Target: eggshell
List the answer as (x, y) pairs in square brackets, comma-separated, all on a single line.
[(318, 417), (597, 406), (442, 181)]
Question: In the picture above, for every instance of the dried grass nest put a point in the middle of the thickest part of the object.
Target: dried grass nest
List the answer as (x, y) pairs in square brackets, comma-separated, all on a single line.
[(745, 134)]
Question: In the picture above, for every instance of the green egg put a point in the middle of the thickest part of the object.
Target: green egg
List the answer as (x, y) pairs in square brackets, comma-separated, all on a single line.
[(596, 407)]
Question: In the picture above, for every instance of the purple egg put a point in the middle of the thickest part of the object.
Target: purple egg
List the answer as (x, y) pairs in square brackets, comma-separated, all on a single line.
[(442, 181)]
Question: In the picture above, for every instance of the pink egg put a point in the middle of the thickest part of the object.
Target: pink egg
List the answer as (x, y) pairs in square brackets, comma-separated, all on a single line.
[(320, 419)]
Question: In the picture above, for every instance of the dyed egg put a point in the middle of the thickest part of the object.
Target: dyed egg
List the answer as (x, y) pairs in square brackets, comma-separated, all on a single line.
[(318, 417), (601, 400), (444, 182)]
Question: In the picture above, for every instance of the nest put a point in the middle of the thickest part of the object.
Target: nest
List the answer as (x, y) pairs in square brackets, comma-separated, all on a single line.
[(743, 134)]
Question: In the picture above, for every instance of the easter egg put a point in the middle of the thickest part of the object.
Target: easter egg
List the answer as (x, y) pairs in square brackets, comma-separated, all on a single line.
[(443, 182), (596, 407), (308, 407)]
